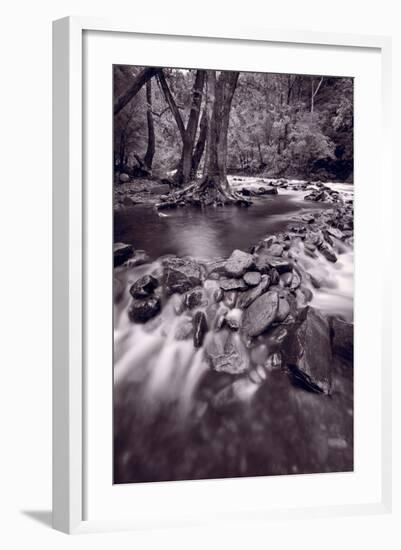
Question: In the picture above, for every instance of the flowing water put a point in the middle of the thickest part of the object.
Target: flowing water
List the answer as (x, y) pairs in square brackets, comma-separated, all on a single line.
[(164, 426)]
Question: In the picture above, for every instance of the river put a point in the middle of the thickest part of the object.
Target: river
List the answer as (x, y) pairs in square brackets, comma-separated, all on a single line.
[(164, 427)]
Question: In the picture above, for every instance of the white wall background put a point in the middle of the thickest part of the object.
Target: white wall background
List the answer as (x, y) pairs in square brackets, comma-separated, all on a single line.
[(25, 218)]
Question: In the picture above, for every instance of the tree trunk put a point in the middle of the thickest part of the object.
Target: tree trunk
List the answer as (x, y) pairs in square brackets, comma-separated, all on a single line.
[(214, 186), (136, 85), (150, 151), (183, 174), (200, 145)]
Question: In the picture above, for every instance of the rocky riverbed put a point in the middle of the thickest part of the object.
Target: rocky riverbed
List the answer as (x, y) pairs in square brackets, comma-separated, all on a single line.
[(229, 366)]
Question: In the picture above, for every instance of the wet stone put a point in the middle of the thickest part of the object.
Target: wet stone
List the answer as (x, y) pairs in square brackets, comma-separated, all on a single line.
[(181, 275), (195, 298), (232, 284), (246, 298), (238, 263), (260, 314), (200, 328), (230, 298), (140, 311), (121, 253), (143, 287), (307, 352), (276, 250), (252, 278)]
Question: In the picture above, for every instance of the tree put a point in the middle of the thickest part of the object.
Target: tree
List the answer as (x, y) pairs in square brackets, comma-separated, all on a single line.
[(214, 187), (188, 132), (150, 151), (134, 88)]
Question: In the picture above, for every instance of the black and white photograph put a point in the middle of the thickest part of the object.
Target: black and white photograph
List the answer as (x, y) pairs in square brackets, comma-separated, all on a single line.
[(233, 292)]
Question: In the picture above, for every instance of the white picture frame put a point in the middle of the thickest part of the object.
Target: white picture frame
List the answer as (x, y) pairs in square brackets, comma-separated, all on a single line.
[(69, 259)]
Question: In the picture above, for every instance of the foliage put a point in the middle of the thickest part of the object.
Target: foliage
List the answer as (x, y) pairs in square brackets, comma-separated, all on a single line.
[(275, 129)]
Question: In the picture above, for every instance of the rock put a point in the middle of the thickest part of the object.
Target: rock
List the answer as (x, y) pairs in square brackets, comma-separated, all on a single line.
[(246, 298), (226, 353), (286, 278), (200, 328), (335, 233), (217, 267), (283, 309), (181, 275), (121, 253), (238, 263), (218, 295), (296, 280), (141, 311), (232, 284), (195, 298), (233, 318), (184, 329), (124, 178), (328, 252), (143, 287), (276, 250), (230, 298), (281, 265), (307, 352), (140, 257), (260, 314), (342, 338), (274, 277), (252, 278)]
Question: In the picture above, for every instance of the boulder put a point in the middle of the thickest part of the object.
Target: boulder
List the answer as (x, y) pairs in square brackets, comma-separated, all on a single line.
[(124, 178), (141, 311), (342, 338), (230, 297), (246, 298), (181, 275), (334, 232), (307, 352), (286, 278), (328, 252), (140, 257), (283, 309), (238, 263), (232, 284), (200, 328), (195, 298), (226, 353), (233, 318), (252, 278), (276, 250), (143, 287), (121, 253), (260, 314)]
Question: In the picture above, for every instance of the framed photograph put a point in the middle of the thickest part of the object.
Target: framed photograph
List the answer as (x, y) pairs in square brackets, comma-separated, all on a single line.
[(220, 341)]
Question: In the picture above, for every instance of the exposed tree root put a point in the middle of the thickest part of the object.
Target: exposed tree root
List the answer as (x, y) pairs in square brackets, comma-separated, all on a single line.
[(209, 191)]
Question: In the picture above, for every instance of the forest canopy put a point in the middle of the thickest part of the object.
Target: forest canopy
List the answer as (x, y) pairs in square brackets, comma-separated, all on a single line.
[(278, 125)]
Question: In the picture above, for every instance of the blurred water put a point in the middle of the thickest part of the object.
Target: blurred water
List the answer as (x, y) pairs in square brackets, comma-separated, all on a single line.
[(160, 382)]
